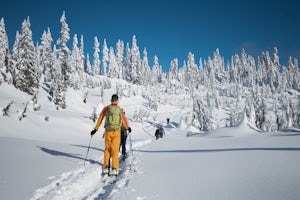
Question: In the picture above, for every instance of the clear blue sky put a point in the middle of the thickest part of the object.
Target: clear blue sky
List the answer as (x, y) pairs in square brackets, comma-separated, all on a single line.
[(169, 29)]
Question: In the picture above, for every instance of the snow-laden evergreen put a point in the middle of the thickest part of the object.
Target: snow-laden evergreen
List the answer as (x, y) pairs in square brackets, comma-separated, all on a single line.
[(96, 62), (46, 55), (3, 44), (27, 78), (64, 51), (105, 57), (120, 59)]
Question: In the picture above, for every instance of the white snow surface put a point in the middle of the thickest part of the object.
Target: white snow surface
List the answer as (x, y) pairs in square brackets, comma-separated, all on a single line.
[(46, 159)]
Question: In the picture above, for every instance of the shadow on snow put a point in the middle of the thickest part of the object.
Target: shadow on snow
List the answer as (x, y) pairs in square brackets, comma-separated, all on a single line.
[(83, 146), (67, 155), (220, 150)]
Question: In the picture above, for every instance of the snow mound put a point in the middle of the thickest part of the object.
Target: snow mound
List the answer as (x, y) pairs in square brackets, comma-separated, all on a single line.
[(243, 128)]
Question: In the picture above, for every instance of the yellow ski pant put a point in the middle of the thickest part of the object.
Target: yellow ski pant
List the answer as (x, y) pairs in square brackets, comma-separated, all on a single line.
[(112, 145)]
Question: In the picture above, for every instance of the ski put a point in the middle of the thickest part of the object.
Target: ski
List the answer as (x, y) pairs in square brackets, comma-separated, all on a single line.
[(104, 177), (109, 179), (124, 157), (113, 179)]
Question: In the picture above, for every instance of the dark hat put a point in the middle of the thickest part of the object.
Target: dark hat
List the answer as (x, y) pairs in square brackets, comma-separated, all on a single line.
[(114, 97)]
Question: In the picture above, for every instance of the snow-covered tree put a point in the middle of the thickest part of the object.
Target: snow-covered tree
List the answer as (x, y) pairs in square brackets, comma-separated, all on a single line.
[(183, 74), (280, 111), (57, 86), (245, 69), (277, 68), (249, 108), (192, 71), (291, 112), (260, 110), (135, 72), (113, 66), (5, 56), (74, 59), (155, 71), (269, 72), (173, 71), (64, 50), (120, 59), (105, 57), (283, 86), (127, 64), (96, 63), (13, 67), (235, 73), (218, 63), (293, 74), (63, 103), (259, 73), (9, 78), (201, 113), (4, 48), (76, 64), (145, 69), (202, 72), (212, 74), (297, 121), (27, 78), (38, 61), (234, 117), (252, 71), (88, 65), (47, 58), (81, 50)]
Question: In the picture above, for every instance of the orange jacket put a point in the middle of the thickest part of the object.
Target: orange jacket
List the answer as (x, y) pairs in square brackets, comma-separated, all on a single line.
[(103, 114)]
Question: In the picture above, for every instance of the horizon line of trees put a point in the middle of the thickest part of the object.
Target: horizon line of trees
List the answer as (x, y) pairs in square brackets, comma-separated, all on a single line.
[(26, 62), (58, 67)]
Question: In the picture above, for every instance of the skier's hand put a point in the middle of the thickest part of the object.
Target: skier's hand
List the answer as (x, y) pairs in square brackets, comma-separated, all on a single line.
[(129, 129), (93, 132)]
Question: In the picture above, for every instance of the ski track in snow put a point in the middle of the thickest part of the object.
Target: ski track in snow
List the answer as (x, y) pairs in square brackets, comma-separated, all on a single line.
[(85, 181)]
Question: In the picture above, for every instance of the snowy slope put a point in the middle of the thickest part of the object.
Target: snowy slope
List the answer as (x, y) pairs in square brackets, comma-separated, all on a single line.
[(45, 159), (221, 165)]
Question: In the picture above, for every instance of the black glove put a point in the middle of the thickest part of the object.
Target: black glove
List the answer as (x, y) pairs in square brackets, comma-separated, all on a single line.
[(93, 132), (129, 129)]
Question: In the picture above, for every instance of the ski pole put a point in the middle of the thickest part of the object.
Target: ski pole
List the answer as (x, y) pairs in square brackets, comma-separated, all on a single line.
[(130, 143), (131, 152), (87, 150)]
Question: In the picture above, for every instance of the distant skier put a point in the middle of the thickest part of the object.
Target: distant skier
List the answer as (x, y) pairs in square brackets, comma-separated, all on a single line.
[(114, 119), (159, 132)]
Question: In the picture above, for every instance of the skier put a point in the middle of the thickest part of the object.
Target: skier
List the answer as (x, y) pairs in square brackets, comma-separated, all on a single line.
[(114, 119), (123, 142), (159, 132)]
